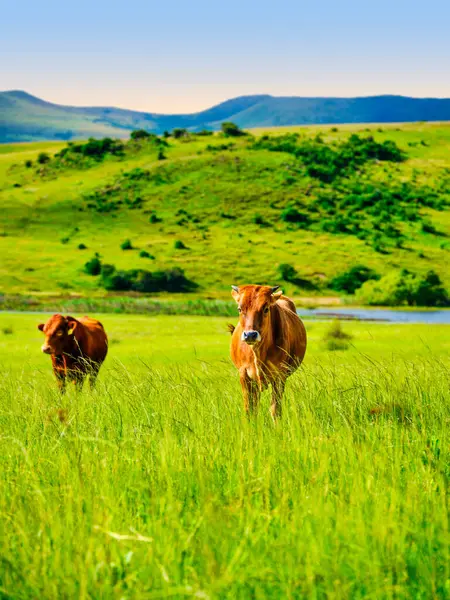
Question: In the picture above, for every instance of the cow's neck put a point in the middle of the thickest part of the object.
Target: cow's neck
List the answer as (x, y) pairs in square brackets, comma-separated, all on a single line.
[(262, 349), (72, 352)]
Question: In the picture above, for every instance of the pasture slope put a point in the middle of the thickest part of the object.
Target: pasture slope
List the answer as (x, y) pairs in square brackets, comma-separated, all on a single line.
[(226, 210), (155, 485)]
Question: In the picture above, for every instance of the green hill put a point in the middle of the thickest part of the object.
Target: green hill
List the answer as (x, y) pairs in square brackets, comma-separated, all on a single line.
[(200, 213), (24, 117)]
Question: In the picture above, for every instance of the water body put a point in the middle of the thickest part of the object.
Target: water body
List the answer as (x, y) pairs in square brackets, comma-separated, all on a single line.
[(427, 317), (381, 315)]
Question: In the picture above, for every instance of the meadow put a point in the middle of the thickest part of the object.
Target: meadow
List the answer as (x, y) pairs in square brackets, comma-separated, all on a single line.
[(155, 485), (226, 210)]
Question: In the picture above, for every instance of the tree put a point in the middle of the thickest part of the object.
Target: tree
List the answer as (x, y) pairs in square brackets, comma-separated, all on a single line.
[(231, 129), (43, 158), (179, 133), (353, 279), (139, 134)]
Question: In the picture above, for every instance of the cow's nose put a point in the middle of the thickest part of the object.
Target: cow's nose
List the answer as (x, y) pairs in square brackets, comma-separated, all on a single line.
[(46, 349), (250, 336)]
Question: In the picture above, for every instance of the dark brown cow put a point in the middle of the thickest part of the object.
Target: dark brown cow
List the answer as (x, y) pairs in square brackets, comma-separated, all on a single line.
[(267, 345), (77, 348)]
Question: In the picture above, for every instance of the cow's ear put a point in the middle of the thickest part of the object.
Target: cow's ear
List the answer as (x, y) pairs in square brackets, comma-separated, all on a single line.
[(71, 325), (235, 292), (276, 295), (41, 326)]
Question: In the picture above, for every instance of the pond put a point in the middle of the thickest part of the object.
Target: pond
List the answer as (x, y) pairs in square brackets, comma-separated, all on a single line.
[(431, 317)]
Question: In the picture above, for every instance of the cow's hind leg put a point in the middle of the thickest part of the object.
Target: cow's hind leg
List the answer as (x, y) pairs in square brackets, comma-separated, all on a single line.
[(277, 394), (250, 393)]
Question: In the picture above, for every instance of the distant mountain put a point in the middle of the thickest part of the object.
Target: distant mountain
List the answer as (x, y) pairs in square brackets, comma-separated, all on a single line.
[(24, 117)]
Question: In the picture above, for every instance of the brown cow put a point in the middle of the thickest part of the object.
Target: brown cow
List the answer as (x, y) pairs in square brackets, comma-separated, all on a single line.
[(77, 347), (267, 345)]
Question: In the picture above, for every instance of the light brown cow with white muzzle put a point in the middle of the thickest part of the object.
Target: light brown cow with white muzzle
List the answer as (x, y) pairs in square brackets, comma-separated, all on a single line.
[(267, 345)]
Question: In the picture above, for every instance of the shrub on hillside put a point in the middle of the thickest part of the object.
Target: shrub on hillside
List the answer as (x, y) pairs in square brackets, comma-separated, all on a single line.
[(204, 132), (179, 133), (76, 154), (260, 220), (43, 158), (405, 288), (93, 266), (126, 245), (287, 272), (140, 280), (231, 129), (292, 215), (28, 163), (326, 162), (140, 134), (353, 279), (179, 245)]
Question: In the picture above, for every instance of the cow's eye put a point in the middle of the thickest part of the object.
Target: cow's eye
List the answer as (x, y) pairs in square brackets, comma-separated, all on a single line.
[(59, 333), (266, 310)]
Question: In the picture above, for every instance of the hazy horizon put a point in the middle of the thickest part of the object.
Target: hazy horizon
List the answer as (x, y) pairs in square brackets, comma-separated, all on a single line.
[(216, 103), (183, 58)]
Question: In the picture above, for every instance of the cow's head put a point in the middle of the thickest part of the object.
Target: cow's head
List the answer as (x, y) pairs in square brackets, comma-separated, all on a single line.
[(255, 302), (59, 332)]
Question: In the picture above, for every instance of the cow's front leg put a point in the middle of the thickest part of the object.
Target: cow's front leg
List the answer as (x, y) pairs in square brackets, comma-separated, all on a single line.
[(250, 392), (61, 381), (277, 394)]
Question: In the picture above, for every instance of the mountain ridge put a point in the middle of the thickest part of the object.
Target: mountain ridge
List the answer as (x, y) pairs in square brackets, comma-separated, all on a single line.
[(24, 117)]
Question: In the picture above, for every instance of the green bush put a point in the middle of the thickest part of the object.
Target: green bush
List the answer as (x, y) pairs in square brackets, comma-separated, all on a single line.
[(293, 215), (260, 220), (139, 134), (287, 272), (139, 280), (353, 279), (179, 132), (154, 218), (405, 288), (126, 245), (82, 247), (93, 266), (145, 254), (28, 163), (43, 158), (204, 132), (231, 129), (179, 245)]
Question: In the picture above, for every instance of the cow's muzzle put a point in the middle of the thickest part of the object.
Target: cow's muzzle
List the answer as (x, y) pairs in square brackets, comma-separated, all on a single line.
[(251, 337), (46, 349)]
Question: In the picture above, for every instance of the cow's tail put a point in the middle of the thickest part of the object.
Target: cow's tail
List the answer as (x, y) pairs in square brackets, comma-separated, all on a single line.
[(231, 328)]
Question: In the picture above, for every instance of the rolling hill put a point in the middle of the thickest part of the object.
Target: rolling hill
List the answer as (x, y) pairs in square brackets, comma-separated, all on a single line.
[(24, 117), (195, 215)]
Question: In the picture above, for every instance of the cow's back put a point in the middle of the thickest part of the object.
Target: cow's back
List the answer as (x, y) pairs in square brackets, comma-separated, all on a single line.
[(95, 339), (289, 332)]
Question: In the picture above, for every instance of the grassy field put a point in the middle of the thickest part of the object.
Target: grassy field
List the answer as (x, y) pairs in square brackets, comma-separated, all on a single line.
[(224, 205), (155, 485)]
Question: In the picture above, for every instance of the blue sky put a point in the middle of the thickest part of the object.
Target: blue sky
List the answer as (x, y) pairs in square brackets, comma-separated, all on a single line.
[(183, 56)]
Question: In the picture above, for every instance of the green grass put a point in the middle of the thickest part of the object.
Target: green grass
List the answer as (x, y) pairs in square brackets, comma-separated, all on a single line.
[(37, 217), (155, 485)]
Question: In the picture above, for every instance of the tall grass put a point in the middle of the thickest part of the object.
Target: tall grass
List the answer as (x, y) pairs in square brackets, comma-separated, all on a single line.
[(118, 305), (155, 485)]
